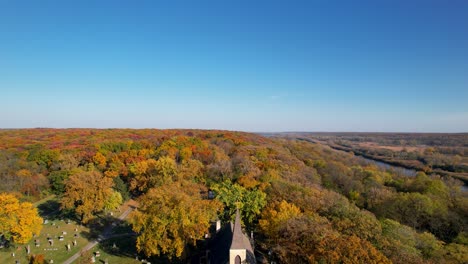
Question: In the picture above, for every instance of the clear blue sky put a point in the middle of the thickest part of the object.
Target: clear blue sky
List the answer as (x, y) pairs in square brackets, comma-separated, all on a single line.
[(238, 65)]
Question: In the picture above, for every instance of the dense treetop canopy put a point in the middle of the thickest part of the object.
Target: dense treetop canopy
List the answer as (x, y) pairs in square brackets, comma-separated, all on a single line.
[(304, 201)]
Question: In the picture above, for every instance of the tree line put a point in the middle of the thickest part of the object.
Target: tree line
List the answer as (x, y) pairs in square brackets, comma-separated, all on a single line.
[(305, 202)]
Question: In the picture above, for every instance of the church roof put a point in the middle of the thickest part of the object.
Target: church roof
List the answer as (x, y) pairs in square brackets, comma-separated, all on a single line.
[(239, 240), (230, 237)]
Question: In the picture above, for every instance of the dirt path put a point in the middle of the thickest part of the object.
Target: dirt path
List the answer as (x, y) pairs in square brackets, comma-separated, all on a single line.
[(104, 235)]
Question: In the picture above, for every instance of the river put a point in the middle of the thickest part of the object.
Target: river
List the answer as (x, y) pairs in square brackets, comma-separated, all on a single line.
[(380, 164), (386, 166), (398, 169)]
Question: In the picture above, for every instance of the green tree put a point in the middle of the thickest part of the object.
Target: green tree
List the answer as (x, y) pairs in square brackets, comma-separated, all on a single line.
[(113, 201), (456, 253), (413, 209), (121, 187), (233, 196), (42, 156), (56, 180)]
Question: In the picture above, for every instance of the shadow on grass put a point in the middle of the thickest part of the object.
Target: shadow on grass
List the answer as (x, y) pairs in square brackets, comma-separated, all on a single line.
[(105, 227), (120, 246), (125, 246), (50, 210)]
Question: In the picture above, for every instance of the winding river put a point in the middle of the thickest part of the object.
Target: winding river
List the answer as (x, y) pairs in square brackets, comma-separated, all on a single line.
[(386, 166), (398, 169), (380, 164)]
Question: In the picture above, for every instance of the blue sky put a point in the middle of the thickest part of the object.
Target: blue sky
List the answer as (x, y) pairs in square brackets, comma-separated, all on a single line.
[(237, 65)]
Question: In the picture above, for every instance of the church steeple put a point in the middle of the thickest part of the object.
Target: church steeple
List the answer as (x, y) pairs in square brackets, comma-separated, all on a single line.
[(239, 244), (237, 235)]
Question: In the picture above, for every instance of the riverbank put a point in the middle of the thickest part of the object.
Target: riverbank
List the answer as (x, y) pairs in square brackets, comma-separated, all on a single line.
[(393, 164), (458, 176)]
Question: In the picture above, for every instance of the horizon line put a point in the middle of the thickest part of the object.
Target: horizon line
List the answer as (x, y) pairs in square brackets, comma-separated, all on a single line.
[(245, 131)]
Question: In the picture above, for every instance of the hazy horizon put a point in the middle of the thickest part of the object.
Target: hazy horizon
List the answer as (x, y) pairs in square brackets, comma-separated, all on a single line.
[(267, 66), (229, 130)]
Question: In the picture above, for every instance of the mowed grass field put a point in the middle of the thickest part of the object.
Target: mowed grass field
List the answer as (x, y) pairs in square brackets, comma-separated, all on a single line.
[(124, 251), (57, 251), (56, 226)]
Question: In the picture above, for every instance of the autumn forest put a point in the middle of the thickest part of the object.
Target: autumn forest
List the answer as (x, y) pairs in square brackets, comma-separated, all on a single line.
[(304, 201)]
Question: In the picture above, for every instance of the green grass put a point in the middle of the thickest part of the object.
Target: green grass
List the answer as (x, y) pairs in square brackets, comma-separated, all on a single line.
[(123, 253), (58, 251), (50, 197), (48, 208)]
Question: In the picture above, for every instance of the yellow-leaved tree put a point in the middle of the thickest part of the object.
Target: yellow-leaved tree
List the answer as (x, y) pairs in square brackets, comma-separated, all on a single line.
[(18, 221), (113, 201), (152, 173), (87, 193), (172, 216), (275, 215)]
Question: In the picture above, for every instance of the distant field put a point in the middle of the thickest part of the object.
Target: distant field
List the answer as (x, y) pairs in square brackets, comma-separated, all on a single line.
[(393, 148), (444, 154)]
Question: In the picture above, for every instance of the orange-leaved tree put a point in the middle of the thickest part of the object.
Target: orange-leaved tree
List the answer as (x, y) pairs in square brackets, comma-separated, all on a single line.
[(86, 192)]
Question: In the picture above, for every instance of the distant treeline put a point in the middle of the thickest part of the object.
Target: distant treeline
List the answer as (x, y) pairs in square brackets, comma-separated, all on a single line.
[(305, 202)]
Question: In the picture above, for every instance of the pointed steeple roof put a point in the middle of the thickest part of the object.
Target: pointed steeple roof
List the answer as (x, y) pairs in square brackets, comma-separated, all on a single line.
[(237, 236)]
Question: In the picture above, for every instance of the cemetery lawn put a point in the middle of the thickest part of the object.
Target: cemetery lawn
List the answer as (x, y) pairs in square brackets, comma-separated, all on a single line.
[(58, 251), (124, 251)]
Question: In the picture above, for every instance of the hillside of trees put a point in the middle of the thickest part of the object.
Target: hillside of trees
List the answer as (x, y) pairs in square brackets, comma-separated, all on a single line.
[(444, 154), (305, 202)]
